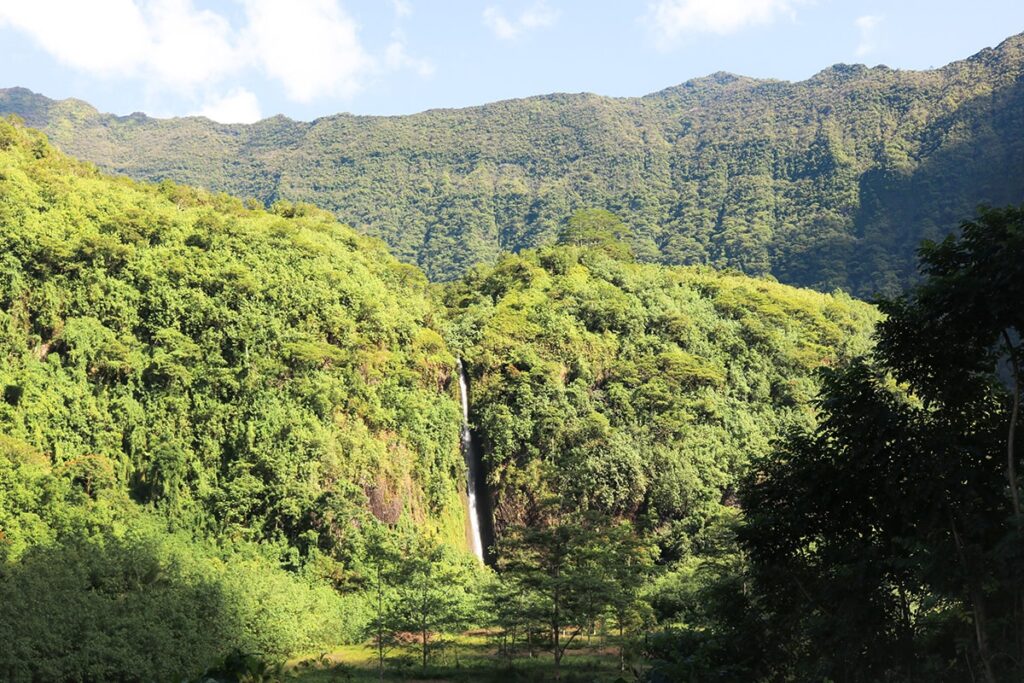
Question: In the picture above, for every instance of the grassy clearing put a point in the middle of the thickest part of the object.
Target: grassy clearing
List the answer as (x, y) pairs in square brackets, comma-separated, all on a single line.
[(469, 657)]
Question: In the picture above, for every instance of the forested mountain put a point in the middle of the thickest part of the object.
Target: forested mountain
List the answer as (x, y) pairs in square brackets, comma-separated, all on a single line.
[(204, 408), (635, 389), (213, 414), (829, 182)]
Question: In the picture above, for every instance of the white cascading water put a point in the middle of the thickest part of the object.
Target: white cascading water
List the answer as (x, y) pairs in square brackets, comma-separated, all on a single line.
[(470, 454)]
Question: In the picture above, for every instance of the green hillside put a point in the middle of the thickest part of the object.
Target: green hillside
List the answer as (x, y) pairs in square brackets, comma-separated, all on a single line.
[(233, 365), (637, 390), (829, 182), (214, 416), (205, 407)]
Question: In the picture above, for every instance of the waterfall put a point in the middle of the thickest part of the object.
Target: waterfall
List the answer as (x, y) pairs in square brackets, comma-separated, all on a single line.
[(474, 476)]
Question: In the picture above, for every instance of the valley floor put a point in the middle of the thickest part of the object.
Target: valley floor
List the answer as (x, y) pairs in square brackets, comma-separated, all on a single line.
[(470, 657)]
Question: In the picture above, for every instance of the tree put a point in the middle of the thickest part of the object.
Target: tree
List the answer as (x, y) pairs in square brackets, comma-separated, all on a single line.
[(598, 229), (969, 311), (957, 337), (512, 611), (433, 593), (382, 559), (630, 562), (566, 564), (875, 538)]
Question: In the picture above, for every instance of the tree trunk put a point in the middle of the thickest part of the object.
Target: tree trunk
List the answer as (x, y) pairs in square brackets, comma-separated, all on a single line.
[(424, 632), (380, 625), (510, 648), (555, 638), (622, 655), (906, 635), (977, 599), (1011, 458), (556, 635)]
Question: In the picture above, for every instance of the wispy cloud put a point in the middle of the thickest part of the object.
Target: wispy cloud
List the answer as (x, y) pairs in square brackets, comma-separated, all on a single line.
[(867, 25), (671, 20), (403, 8), (396, 57), (537, 16)]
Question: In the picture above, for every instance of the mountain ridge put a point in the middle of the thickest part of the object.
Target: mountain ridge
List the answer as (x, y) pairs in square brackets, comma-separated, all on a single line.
[(827, 182), (720, 77)]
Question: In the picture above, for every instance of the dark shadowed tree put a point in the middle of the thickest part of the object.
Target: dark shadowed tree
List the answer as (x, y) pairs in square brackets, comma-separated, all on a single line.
[(886, 545)]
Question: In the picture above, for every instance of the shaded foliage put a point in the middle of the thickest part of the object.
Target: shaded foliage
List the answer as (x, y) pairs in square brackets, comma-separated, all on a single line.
[(885, 544)]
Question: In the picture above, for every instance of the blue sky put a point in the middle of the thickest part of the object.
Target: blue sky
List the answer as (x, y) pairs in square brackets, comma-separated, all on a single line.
[(239, 60)]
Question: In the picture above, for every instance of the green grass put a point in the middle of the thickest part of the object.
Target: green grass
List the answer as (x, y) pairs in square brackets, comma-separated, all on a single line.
[(469, 657)]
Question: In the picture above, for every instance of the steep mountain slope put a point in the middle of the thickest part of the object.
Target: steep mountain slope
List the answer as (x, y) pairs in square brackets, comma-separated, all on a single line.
[(268, 377), (827, 182), (209, 413), (637, 389)]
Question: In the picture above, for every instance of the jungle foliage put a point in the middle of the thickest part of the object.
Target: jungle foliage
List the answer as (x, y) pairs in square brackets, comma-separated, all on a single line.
[(205, 406), (636, 390), (230, 435), (829, 182), (886, 543), (213, 415)]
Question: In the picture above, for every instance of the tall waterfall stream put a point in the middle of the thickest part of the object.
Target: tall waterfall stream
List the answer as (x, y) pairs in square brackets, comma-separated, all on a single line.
[(479, 507)]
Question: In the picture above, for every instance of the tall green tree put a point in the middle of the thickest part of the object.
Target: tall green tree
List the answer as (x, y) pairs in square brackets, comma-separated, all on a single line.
[(381, 567), (433, 593), (959, 336), (630, 563), (887, 543), (570, 567)]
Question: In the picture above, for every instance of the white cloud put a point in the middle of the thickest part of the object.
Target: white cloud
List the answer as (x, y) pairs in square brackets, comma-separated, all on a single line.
[(237, 106), (536, 16), (867, 25), (311, 46), (189, 47), (168, 41), (403, 8), (670, 20), (112, 43), (502, 27)]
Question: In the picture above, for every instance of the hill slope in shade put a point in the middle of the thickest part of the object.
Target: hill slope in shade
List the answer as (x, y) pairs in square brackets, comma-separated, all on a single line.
[(829, 182)]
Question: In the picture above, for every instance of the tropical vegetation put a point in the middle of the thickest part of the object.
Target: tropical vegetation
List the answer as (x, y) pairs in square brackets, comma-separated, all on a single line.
[(828, 182)]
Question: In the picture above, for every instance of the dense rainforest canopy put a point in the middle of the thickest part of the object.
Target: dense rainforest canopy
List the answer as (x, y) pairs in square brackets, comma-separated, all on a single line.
[(220, 424), (886, 543), (829, 182), (636, 389), (203, 407)]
